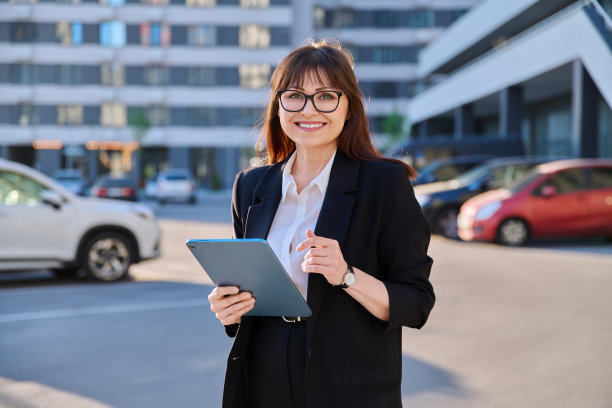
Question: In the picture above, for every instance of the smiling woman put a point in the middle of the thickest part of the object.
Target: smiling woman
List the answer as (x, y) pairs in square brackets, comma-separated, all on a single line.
[(348, 230)]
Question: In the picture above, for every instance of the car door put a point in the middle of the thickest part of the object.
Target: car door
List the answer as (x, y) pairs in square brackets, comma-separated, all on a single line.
[(563, 211), (32, 229), (599, 201)]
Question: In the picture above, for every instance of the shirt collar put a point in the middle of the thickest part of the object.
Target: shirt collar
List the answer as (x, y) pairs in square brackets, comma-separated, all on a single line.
[(321, 181)]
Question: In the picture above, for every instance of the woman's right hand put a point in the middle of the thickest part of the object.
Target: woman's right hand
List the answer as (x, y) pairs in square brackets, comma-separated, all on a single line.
[(229, 304)]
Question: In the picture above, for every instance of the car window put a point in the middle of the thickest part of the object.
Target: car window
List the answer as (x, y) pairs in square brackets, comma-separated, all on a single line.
[(175, 177), (447, 172), (601, 178), (567, 181), (17, 188)]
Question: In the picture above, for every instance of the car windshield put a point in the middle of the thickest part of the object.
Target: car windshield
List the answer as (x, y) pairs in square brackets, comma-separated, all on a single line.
[(176, 177), (115, 182), (523, 182), (475, 174), (67, 177)]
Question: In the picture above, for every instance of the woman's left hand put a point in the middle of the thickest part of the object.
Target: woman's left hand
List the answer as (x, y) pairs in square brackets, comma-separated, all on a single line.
[(324, 257)]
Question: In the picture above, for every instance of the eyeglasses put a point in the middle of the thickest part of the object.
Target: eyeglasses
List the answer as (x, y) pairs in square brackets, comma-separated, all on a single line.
[(323, 101)]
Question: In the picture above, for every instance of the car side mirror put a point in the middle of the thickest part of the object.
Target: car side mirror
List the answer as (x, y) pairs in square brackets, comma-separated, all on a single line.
[(52, 198), (549, 191)]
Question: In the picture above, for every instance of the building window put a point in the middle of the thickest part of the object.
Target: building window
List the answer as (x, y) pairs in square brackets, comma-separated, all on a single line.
[(113, 2), (25, 73), (386, 19), (156, 2), (319, 17), (201, 76), (254, 76), (201, 116), (156, 75), (158, 115), (385, 55), (113, 114), (200, 3), (28, 114), (254, 36), (71, 115), (23, 32), (112, 74), (201, 35), (69, 33), (422, 18), (343, 17), (255, 3), (112, 34), (155, 34), (70, 74)]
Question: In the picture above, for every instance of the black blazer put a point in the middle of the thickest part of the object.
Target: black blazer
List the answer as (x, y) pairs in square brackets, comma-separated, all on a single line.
[(354, 359)]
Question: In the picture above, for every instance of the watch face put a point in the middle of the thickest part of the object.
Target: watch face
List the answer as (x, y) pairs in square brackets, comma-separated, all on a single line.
[(349, 278)]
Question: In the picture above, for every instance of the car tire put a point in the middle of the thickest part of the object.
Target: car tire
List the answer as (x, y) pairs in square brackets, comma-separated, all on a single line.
[(512, 232), (107, 256), (446, 222), (192, 200)]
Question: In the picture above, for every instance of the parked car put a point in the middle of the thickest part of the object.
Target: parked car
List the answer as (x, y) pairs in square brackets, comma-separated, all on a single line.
[(563, 198), (175, 185), (441, 201), (45, 226), (120, 188), (72, 180), (448, 168)]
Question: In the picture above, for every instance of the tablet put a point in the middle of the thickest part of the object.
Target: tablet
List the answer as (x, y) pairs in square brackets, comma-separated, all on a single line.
[(251, 265)]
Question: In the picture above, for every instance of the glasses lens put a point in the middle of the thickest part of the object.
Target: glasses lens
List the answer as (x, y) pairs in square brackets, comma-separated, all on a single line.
[(326, 101), (295, 101), (292, 100)]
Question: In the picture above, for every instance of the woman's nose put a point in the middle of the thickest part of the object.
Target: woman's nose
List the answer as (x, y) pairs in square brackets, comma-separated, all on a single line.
[(309, 108)]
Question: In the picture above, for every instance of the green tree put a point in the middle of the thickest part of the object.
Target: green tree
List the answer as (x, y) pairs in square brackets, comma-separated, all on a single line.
[(395, 127)]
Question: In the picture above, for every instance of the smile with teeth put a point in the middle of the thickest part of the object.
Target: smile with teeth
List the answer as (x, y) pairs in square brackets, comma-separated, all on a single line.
[(310, 125)]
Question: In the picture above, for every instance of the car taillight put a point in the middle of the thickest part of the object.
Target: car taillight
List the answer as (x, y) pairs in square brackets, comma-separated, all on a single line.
[(128, 191), (191, 187), (100, 191)]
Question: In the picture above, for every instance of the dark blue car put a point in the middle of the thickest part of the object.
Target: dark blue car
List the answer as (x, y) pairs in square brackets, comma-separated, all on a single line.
[(441, 201)]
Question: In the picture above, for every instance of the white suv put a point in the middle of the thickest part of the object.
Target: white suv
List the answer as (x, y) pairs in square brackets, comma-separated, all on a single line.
[(44, 226)]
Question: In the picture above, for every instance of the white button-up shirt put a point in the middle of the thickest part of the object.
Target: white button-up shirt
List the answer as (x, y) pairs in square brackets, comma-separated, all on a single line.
[(296, 214)]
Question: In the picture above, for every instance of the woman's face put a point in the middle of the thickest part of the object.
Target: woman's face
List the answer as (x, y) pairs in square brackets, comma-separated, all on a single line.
[(309, 128)]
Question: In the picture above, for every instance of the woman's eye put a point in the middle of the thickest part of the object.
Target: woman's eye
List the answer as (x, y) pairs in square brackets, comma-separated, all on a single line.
[(327, 96), (295, 95)]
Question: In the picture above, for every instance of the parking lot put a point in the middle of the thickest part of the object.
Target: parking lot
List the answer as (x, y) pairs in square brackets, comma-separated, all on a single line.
[(526, 327)]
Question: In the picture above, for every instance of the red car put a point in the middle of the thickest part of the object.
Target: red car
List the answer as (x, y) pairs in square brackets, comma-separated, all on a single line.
[(557, 199)]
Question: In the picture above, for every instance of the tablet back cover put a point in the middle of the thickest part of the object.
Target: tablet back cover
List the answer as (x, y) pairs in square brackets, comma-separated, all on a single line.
[(251, 265)]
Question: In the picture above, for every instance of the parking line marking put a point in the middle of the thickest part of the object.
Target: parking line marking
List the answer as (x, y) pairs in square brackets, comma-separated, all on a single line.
[(101, 310)]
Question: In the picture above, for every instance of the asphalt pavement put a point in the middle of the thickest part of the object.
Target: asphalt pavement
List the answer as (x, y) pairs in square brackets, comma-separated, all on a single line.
[(512, 327)]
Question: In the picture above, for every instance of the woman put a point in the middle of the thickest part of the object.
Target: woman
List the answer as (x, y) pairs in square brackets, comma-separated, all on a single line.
[(345, 224)]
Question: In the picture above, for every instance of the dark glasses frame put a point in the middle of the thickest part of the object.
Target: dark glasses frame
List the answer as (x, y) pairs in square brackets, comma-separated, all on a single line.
[(307, 97)]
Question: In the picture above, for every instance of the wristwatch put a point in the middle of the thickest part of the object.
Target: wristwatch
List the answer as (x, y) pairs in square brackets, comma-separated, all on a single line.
[(349, 277)]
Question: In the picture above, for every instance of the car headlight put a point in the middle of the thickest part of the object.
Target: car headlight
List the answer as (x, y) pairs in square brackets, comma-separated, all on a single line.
[(487, 211), (423, 199), (143, 212)]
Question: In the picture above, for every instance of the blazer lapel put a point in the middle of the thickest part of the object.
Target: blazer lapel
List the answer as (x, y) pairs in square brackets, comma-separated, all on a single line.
[(333, 223), (266, 198)]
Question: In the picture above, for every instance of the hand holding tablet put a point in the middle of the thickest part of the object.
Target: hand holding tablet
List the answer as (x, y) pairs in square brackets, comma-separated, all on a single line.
[(251, 266)]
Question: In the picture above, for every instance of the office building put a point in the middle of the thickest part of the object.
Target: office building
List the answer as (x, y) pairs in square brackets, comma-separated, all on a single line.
[(539, 70), (141, 85)]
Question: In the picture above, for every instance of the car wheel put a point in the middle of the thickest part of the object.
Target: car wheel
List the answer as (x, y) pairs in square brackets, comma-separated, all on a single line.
[(446, 222), (107, 256), (192, 200), (513, 232)]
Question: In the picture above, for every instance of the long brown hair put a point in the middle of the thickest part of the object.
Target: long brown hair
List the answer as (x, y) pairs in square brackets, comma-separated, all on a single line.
[(324, 61)]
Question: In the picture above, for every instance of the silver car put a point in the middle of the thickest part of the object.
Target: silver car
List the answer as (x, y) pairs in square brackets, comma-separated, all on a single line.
[(175, 185), (45, 226)]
